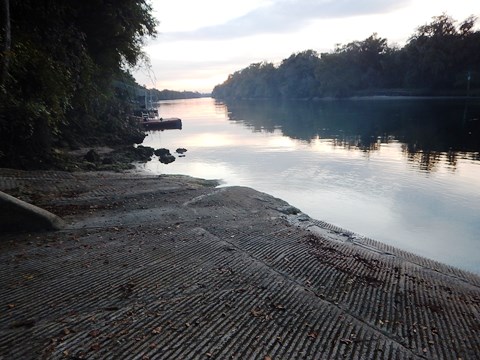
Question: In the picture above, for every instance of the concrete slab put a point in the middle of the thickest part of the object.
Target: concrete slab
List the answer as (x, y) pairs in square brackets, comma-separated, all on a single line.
[(17, 215), (174, 268)]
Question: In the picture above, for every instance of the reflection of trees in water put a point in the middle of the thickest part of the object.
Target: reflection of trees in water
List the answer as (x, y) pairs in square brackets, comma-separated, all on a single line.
[(451, 158), (431, 131), (356, 143), (429, 160), (424, 160)]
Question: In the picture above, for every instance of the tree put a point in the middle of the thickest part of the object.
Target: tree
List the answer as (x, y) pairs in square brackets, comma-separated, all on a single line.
[(440, 52), (297, 75), (7, 39), (64, 58), (440, 57), (256, 81)]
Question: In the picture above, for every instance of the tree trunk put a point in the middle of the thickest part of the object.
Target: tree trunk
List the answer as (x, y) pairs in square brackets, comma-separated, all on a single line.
[(7, 41)]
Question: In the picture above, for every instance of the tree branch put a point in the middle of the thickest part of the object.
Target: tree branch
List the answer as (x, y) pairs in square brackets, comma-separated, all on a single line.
[(7, 41)]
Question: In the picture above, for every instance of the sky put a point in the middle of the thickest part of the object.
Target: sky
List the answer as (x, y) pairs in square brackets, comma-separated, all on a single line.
[(201, 42)]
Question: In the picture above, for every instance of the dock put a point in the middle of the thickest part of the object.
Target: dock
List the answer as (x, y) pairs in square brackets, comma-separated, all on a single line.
[(160, 123)]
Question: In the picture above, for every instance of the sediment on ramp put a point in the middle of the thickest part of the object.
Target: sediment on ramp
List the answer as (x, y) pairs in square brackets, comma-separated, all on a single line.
[(200, 272)]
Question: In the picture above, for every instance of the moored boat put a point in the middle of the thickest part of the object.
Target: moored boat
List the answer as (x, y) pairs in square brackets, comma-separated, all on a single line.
[(147, 117)]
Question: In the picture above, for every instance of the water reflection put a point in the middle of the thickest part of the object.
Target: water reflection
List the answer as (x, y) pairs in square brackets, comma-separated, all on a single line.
[(432, 131), (389, 172)]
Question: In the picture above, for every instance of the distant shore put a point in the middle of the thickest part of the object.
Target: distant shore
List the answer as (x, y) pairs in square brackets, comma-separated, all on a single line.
[(372, 96)]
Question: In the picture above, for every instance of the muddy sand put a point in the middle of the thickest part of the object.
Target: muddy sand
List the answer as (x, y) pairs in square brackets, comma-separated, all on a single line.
[(171, 267)]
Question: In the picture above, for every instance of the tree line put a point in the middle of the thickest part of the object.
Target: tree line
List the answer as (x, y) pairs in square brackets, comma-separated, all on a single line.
[(139, 95), (174, 95), (440, 58), (58, 64)]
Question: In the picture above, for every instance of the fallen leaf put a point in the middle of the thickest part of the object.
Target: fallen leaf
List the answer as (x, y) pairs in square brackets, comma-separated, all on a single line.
[(256, 312), (346, 341), (11, 306), (94, 333), (157, 330), (95, 347)]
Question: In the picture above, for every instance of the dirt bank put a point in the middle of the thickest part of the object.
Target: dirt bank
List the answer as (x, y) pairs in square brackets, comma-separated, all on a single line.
[(171, 267)]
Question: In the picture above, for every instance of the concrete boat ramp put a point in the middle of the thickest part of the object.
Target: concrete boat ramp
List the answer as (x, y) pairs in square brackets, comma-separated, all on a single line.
[(171, 267)]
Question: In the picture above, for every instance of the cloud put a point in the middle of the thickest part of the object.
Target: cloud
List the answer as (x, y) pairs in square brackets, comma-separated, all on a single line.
[(282, 16)]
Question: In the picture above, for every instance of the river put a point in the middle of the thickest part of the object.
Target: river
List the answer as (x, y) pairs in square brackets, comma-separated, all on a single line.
[(405, 172)]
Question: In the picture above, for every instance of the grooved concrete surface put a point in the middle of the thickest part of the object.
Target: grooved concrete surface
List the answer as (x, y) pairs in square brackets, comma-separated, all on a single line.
[(174, 268)]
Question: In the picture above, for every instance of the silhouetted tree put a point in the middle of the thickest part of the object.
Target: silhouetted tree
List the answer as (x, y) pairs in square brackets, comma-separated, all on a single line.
[(440, 57), (297, 75), (64, 58), (6, 45)]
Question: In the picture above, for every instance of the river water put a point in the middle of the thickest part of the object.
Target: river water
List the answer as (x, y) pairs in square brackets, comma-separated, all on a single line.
[(402, 171)]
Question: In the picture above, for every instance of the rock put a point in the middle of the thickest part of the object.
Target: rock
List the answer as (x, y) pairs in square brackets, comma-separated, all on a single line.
[(18, 215), (107, 160), (167, 159), (181, 150), (164, 156), (90, 166), (143, 153), (92, 156), (161, 152), (136, 138), (289, 210)]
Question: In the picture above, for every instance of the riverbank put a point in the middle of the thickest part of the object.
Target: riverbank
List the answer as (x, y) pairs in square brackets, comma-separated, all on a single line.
[(173, 267)]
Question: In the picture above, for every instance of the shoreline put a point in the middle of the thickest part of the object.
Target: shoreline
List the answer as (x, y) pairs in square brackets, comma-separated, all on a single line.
[(379, 97), (173, 266)]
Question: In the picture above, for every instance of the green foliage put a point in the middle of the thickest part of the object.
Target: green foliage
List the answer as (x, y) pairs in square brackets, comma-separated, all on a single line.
[(439, 53), (291, 84), (59, 86), (256, 81), (173, 95), (436, 60)]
